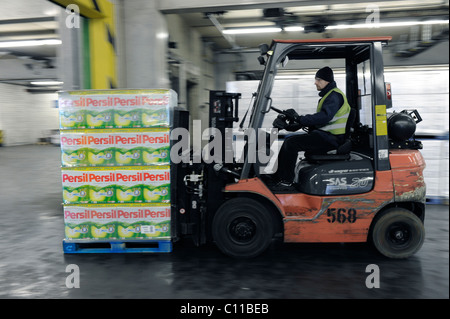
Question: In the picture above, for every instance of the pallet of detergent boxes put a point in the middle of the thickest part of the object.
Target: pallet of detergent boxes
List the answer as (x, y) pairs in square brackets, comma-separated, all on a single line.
[(115, 170)]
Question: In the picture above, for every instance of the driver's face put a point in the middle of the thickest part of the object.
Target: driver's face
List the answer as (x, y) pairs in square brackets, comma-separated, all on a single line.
[(320, 84)]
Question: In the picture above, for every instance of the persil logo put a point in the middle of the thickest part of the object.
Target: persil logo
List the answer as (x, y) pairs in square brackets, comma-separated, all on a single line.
[(142, 139), (109, 101), (76, 214), (114, 213), (117, 139), (110, 177), (143, 213), (87, 140)]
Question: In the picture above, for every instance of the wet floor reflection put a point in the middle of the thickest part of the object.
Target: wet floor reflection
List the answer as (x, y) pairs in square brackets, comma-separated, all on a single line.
[(286, 271)]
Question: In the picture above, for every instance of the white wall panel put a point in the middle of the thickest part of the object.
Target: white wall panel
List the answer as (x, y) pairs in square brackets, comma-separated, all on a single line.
[(25, 117), (425, 89)]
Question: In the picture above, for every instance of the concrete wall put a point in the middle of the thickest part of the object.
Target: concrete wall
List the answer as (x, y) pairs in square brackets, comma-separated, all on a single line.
[(26, 117), (193, 66), (142, 38)]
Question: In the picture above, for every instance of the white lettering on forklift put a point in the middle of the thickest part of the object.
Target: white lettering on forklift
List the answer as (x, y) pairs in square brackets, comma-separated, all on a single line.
[(336, 181), (373, 280), (359, 182), (73, 280)]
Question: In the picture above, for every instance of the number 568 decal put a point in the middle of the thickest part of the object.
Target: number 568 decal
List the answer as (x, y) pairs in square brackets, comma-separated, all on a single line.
[(341, 215)]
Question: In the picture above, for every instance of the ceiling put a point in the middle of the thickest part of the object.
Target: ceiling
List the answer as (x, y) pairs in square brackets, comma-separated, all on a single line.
[(28, 20), (34, 21), (38, 20), (313, 18)]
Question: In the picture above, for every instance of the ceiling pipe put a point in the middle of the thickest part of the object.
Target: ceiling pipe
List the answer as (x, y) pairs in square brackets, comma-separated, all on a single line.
[(229, 38)]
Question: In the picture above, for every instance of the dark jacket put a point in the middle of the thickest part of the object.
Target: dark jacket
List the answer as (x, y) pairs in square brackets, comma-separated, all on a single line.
[(330, 107)]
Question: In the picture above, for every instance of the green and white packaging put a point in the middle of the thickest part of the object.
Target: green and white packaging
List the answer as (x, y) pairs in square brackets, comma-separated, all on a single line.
[(116, 147), (117, 222), (76, 223), (143, 222), (131, 184), (99, 109)]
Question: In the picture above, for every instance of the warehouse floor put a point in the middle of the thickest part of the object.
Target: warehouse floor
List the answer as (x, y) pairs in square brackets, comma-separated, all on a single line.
[(32, 264)]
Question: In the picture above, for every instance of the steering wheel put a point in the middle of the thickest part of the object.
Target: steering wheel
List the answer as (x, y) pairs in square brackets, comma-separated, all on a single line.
[(276, 110), (285, 117)]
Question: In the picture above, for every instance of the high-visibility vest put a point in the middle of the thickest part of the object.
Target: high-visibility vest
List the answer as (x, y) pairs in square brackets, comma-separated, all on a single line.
[(337, 124)]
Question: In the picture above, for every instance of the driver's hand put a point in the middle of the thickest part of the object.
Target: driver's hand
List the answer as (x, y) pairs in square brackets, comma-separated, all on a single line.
[(279, 124), (292, 114), (293, 127)]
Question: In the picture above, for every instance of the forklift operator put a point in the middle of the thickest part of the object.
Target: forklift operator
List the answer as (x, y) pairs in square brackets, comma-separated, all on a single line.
[(326, 127)]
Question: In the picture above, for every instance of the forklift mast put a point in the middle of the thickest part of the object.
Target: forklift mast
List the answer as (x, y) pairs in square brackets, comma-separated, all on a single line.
[(223, 112), (203, 183)]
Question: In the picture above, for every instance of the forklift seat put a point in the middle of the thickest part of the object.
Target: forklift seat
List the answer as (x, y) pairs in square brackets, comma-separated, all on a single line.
[(343, 150)]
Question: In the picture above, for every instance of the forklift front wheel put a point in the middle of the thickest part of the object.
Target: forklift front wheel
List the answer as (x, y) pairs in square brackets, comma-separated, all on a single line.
[(398, 233), (242, 227)]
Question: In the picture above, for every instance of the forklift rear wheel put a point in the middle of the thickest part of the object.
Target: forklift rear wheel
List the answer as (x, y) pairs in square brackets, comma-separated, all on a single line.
[(243, 227), (398, 233)]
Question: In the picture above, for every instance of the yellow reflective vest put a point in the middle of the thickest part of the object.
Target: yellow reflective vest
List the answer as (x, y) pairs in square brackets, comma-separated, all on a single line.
[(337, 124)]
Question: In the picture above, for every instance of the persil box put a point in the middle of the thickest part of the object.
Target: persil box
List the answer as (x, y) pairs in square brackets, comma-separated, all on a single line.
[(117, 147), (124, 221), (143, 221), (101, 109), (90, 222), (132, 184)]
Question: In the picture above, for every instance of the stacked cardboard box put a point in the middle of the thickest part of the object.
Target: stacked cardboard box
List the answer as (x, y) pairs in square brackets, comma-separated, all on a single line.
[(115, 164)]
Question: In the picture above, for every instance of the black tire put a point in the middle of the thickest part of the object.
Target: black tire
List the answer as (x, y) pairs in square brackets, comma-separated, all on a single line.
[(243, 227), (397, 233)]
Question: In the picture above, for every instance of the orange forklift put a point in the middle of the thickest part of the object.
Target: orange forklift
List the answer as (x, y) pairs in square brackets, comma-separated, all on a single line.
[(370, 189)]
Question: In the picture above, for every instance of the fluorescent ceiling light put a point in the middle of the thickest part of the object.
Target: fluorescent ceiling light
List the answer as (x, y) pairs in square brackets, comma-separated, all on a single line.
[(46, 83), (291, 29), (333, 27), (29, 43), (251, 30), (384, 24)]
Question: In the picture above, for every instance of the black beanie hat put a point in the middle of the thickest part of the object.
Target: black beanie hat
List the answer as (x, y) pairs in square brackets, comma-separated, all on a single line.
[(326, 74)]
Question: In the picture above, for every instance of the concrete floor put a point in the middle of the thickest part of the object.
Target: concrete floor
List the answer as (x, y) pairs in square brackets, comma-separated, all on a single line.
[(32, 264)]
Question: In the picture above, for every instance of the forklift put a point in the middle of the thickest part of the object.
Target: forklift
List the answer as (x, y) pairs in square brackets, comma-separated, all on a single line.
[(370, 189)]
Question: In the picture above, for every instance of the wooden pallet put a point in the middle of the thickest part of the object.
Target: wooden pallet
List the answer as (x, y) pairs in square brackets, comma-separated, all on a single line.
[(144, 246)]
